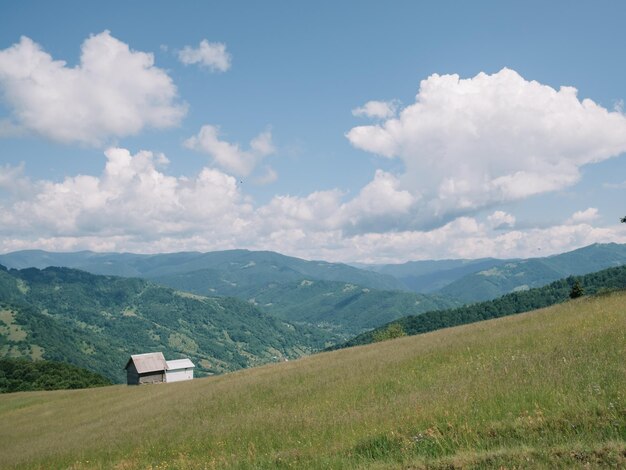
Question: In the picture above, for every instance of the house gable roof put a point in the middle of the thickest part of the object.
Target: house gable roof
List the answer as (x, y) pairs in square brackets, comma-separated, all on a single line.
[(148, 362), (180, 364)]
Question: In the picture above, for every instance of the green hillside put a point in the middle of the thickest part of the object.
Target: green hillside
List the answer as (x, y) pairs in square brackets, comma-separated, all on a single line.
[(229, 273), (518, 302), (520, 275), (345, 309), (538, 390), (96, 322), (21, 375)]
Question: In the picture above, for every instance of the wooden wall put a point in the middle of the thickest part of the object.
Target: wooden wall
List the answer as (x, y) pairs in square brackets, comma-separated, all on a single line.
[(134, 378)]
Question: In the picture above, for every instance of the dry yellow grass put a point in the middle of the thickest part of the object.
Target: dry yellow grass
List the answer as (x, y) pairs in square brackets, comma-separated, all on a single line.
[(543, 389)]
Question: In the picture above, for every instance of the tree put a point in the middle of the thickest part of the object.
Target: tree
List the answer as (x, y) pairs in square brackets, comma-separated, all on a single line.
[(623, 220), (577, 290), (394, 330)]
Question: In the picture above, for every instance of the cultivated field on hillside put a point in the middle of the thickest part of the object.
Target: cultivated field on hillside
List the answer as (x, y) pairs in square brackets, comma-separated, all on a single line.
[(542, 389)]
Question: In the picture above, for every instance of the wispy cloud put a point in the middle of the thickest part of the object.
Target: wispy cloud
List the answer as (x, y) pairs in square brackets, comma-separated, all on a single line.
[(377, 109), (621, 185), (212, 55), (231, 157)]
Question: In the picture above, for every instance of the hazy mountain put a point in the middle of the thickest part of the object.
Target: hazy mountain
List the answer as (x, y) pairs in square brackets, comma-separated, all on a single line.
[(229, 272), (519, 275), (432, 275)]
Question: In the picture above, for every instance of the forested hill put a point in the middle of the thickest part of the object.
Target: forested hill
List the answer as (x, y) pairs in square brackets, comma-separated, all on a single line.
[(21, 375), (344, 308), (96, 322), (517, 302)]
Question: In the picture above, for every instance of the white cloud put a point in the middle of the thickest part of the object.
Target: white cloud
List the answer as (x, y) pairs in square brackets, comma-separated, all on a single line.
[(381, 205), (466, 238), (468, 144), (12, 179), (319, 211), (501, 219), (377, 109), (208, 54), (230, 156), (113, 92), (583, 217), (132, 197), (134, 205)]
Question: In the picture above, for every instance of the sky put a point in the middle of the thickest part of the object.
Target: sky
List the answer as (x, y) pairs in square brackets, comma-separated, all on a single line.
[(356, 131)]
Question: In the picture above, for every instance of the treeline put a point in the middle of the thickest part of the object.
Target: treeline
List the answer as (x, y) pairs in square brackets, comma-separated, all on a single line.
[(518, 302), (21, 375)]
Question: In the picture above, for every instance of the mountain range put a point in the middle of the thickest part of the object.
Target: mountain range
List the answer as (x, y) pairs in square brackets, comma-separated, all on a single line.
[(228, 273), (243, 274), (469, 281)]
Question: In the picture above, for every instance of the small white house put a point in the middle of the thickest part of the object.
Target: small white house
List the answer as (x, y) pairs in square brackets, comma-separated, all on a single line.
[(179, 370)]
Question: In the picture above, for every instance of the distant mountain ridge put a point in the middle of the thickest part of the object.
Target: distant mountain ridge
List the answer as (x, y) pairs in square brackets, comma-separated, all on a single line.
[(431, 275), (488, 278), (519, 275), (229, 272), (259, 275)]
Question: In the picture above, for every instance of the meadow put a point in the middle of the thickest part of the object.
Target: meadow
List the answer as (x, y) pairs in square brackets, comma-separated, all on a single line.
[(544, 389)]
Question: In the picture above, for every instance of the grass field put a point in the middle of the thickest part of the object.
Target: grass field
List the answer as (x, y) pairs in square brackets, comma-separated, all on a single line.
[(545, 389)]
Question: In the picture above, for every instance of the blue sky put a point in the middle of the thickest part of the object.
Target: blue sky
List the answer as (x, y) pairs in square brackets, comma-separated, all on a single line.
[(145, 140)]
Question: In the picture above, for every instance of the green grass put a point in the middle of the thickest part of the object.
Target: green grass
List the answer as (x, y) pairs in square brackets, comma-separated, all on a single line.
[(546, 389)]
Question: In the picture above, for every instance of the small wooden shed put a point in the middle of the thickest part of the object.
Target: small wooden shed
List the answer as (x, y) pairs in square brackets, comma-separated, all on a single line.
[(146, 368), (179, 370)]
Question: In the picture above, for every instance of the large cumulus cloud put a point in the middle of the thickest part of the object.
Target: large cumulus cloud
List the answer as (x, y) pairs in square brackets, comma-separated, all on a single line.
[(133, 197), (113, 92), (468, 144)]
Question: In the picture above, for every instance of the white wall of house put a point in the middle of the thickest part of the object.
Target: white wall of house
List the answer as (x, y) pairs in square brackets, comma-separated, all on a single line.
[(178, 375)]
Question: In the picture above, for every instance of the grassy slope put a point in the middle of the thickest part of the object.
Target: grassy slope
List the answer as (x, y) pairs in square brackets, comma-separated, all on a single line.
[(542, 389), (510, 304)]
